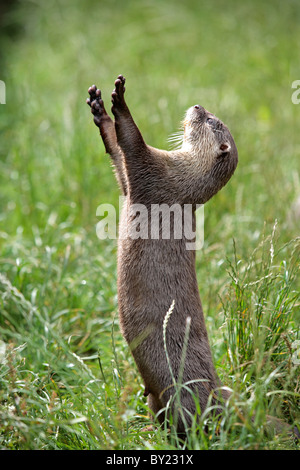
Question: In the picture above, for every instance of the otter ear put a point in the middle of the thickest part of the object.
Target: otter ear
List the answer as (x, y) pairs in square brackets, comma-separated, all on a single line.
[(224, 149)]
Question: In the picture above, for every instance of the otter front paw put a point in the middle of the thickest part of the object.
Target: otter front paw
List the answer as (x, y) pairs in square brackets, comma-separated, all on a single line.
[(96, 104), (117, 96)]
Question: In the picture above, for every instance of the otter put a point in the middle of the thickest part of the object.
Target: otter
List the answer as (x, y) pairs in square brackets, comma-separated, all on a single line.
[(160, 310), (154, 274)]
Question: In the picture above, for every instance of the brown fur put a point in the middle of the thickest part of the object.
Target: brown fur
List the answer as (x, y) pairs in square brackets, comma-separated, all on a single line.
[(153, 273)]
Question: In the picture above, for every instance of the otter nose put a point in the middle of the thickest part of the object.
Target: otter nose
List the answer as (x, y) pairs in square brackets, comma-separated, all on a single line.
[(199, 111), (197, 106)]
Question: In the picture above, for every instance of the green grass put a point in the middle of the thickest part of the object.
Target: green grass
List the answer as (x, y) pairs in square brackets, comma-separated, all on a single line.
[(67, 379)]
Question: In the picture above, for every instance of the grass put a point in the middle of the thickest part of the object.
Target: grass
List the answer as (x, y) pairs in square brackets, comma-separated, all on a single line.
[(67, 379)]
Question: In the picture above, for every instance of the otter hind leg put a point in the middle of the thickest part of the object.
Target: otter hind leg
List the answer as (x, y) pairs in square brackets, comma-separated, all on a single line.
[(155, 406)]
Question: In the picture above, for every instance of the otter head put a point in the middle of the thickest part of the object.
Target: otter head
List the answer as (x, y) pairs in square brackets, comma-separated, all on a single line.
[(211, 146)]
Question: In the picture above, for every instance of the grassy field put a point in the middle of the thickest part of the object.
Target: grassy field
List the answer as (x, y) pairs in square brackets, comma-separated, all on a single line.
[(67, 379)]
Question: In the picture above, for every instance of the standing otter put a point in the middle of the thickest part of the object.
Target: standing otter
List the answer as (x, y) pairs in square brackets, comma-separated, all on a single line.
[(152, 273)]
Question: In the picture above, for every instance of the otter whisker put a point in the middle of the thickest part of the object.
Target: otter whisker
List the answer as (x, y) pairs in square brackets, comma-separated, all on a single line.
[(175, 140)]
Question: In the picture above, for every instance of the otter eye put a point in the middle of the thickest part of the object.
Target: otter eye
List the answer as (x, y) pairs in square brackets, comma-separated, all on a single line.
[(209, 120)]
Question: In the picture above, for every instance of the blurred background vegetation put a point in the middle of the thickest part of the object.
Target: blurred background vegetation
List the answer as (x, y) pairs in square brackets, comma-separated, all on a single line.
[(58, 281)]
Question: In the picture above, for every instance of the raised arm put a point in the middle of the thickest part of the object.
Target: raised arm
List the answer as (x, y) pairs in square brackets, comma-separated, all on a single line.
[(108, 134), (129, 137), (145, 167)]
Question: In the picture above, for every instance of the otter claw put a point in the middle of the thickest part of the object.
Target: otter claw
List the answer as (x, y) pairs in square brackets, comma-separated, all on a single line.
[(117, 96), (96, 104)]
